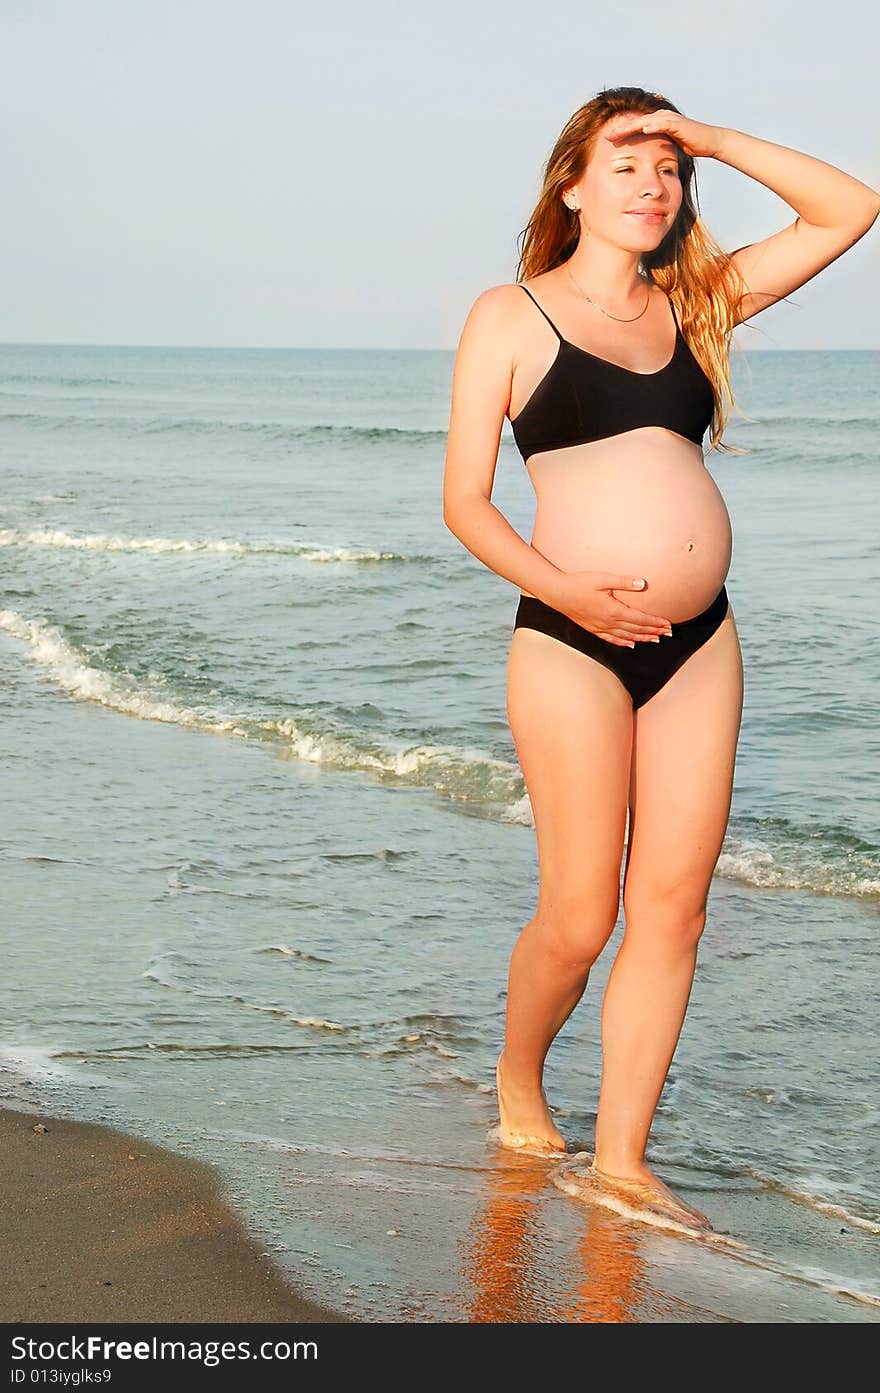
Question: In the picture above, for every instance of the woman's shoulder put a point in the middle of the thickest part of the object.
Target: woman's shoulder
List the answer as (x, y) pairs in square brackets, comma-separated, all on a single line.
[(505, 302), (496, 307)]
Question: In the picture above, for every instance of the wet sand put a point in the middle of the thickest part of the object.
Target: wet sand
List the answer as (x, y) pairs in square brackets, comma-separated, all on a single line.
[(103, 1226)]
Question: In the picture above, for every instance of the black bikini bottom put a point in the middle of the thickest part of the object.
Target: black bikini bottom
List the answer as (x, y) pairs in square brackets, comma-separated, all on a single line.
[(643, 670)]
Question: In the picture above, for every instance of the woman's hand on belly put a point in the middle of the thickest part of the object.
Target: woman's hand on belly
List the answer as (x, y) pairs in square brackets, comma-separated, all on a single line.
[(586, 597), (684, 557)]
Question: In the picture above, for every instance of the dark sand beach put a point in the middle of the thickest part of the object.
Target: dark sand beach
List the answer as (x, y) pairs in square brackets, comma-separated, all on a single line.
[(103, 1226)]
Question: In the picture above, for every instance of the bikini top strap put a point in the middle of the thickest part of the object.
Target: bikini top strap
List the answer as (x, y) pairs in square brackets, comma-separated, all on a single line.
[(546, 316), (674, 315)]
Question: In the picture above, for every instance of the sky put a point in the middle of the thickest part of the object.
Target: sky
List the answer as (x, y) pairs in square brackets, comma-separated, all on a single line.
[(264, 173)]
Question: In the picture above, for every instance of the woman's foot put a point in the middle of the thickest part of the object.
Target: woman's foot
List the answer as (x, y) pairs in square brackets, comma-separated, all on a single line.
[(525, 1117), (640, 1181)]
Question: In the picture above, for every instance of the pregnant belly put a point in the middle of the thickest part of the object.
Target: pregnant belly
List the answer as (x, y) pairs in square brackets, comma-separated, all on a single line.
[(636, 507)]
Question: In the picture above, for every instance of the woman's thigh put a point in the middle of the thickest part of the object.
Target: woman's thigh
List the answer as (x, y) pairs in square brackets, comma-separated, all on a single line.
[(572, 721), (683, 755)]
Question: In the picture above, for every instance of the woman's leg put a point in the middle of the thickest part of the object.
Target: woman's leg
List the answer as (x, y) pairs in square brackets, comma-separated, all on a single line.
[(684, 748), (572, 722)]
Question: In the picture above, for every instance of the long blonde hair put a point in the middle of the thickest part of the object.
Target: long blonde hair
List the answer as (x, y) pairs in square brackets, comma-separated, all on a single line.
[(688, 265)]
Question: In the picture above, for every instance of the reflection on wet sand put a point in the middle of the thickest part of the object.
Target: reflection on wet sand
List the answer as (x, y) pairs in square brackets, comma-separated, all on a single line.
[(505, 1259)]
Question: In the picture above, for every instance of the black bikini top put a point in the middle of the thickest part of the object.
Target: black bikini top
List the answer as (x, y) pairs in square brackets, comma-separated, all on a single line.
[(582, 398)]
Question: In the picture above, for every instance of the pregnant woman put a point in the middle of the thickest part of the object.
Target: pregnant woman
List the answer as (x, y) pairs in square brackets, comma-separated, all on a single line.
[(609, 356)]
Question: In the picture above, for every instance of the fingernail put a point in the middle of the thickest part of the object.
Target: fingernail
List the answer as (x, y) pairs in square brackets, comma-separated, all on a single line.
[(656, 638)]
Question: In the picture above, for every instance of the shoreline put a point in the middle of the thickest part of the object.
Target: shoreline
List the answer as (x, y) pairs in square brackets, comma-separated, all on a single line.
[(102, 1225)]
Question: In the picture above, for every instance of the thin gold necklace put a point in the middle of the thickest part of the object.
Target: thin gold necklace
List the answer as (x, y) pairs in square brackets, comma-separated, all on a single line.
[(599, 307)]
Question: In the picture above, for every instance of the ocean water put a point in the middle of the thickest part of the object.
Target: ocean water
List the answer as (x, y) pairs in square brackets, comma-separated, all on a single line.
[(266, 847)]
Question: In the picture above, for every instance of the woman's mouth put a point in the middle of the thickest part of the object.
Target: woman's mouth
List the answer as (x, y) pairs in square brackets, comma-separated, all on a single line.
[(648, 217)]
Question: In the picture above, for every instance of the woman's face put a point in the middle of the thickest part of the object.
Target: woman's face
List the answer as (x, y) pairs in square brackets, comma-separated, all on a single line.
[(638, 173)]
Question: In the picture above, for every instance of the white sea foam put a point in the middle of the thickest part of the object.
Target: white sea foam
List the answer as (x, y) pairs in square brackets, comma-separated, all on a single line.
[(812, 1198), (830, 1282), (573, 1177), (287, 952), (460, 773), (463, 773), (48, 537), (71, 669), (793, 867), (520, 812)]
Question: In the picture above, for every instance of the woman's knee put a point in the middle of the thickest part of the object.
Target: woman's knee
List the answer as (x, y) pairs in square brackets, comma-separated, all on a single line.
[(575, 926), (674, 916)]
